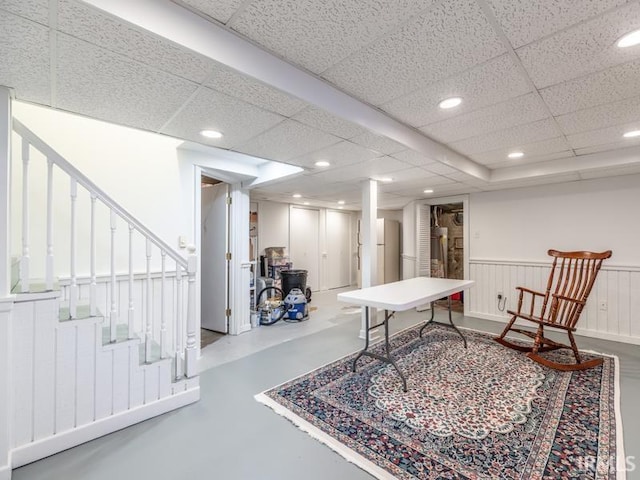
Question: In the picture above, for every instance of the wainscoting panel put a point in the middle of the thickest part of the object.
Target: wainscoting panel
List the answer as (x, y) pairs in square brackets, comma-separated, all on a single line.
[(611, 311)]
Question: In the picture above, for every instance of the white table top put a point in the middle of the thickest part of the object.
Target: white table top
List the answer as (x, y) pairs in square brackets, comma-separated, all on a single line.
[(405, 294)]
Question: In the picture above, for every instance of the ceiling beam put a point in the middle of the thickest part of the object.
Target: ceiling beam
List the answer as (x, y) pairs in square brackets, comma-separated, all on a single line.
[(214, 41)]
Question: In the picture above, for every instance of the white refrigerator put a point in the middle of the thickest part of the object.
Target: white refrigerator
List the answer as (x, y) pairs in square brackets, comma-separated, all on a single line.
[(388, 251)]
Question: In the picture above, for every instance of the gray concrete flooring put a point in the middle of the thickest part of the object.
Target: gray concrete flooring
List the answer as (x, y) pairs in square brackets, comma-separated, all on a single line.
[(228, 435)]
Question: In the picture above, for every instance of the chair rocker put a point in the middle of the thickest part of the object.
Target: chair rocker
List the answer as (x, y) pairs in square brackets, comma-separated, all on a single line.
[(570, 281)]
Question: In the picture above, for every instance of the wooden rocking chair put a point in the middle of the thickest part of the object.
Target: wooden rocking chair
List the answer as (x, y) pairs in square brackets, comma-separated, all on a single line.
[(570, 281)]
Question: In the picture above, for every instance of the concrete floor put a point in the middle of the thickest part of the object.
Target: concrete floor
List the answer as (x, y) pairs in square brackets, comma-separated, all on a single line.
[(228, 435)]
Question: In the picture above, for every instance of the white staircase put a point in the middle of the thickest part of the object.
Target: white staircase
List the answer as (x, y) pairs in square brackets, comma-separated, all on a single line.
[(97, 352)]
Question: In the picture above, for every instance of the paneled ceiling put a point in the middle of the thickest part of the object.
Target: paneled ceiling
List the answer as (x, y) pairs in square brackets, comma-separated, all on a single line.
[(353, 82)]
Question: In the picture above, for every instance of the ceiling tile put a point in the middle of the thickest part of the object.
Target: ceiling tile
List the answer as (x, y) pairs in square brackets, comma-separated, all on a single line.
[(517, 111), (492, 82), (606, 147), (378, 143), (528, 133), (448, 39), (416, 183), (36, 10), (208, 109), (24, 58), (414, 158), (82, 21), (382, 166), (604, 136), (583, 49), (624, 111), (524, 21), (439, 169), (325, 121), (229, 81), (615, 83), (338, 154), (287, 140), (507, 162), (316, 34), (531, 150), (103, 85), (393, 201), (411, 174), (220, 10)]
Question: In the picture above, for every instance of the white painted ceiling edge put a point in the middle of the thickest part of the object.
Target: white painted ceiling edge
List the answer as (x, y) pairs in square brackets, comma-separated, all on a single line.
[(185, 28)]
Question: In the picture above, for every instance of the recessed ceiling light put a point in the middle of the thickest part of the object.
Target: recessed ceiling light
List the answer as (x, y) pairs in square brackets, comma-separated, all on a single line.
[(450, 102), (340, 208), (306, 203), (632, 134), (296, 195), (322, 163), (211, 134), (428, 190), (631, 39), (516, 155), (340, 202)]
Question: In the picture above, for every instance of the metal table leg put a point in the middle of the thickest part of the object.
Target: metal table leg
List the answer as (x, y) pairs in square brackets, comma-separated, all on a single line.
[(444, 324), (388, 358)]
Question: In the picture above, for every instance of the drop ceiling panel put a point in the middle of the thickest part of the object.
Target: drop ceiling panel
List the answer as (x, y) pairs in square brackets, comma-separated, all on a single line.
[(507, 162), (491, 82), (414, 158), (516, 111), (439, 169), (531, 150), (615, 83), (287, 140), (208, 109), (604, 136), (247, 89), (382, 166), (220, 10), (528, 133), (36, 10), (448, 39), (622, 112), (316, 34), (392, 201), (84, 22), (417, 183), (607, 147), (339, 154), (524, 21), (103, 85), (323, 120), (24, 58), (378, 143), (411, 174), (583, 49)]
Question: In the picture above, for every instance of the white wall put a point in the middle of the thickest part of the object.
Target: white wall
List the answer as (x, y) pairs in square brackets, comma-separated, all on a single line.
[(523, 224), (273, 225), (512, 230)]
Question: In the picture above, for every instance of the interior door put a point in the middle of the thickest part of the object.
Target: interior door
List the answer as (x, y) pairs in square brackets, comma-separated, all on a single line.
[(305, 243), (338, 249), (215, 265)]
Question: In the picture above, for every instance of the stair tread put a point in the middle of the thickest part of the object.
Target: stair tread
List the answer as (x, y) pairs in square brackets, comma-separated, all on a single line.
[(83, 311), (36, 285)]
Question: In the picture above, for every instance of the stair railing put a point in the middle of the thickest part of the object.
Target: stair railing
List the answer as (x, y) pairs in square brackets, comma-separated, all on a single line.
[(183, 347)]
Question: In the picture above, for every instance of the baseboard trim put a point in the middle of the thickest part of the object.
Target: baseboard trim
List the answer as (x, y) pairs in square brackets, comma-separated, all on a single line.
[(613, 337), (5, 473), (71, 438)]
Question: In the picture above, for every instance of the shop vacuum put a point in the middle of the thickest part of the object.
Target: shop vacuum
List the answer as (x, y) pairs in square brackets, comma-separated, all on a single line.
[(294, 303)]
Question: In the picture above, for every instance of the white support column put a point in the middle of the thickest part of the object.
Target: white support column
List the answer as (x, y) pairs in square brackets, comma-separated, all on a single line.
[(6, 300), (369, 233)]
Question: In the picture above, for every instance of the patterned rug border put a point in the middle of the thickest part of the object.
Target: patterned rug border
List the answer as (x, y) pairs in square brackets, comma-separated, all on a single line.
[(360, 461)]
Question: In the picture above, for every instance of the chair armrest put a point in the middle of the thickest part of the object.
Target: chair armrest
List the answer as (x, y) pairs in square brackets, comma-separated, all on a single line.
[(532, 292), (568, 299), (532, 304)]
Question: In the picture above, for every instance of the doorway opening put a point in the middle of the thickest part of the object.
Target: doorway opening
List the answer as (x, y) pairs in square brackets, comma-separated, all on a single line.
[(214, 248), (447, 247)]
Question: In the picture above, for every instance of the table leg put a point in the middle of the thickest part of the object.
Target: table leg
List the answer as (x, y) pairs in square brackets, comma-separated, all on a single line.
[(388, 358), (443, 324)]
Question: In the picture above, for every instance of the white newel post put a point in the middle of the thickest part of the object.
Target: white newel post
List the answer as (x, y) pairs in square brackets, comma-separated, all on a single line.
[(369, 249), (6, 300), (191, 351)]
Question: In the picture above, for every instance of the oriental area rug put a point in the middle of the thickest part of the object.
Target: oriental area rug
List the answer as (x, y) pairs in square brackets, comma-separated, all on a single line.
[(485, 412)]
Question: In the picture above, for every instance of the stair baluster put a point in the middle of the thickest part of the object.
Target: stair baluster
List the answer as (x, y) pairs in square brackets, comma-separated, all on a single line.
[(24, 260), (113, 313), (131, 310), (178, 342), (163, 319), (73, 288), (93, 308), (149, 326), (49, 267)]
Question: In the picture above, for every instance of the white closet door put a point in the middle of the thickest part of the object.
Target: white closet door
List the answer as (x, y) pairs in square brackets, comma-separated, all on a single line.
[(338, 249), (214, 279), (305, 243)]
